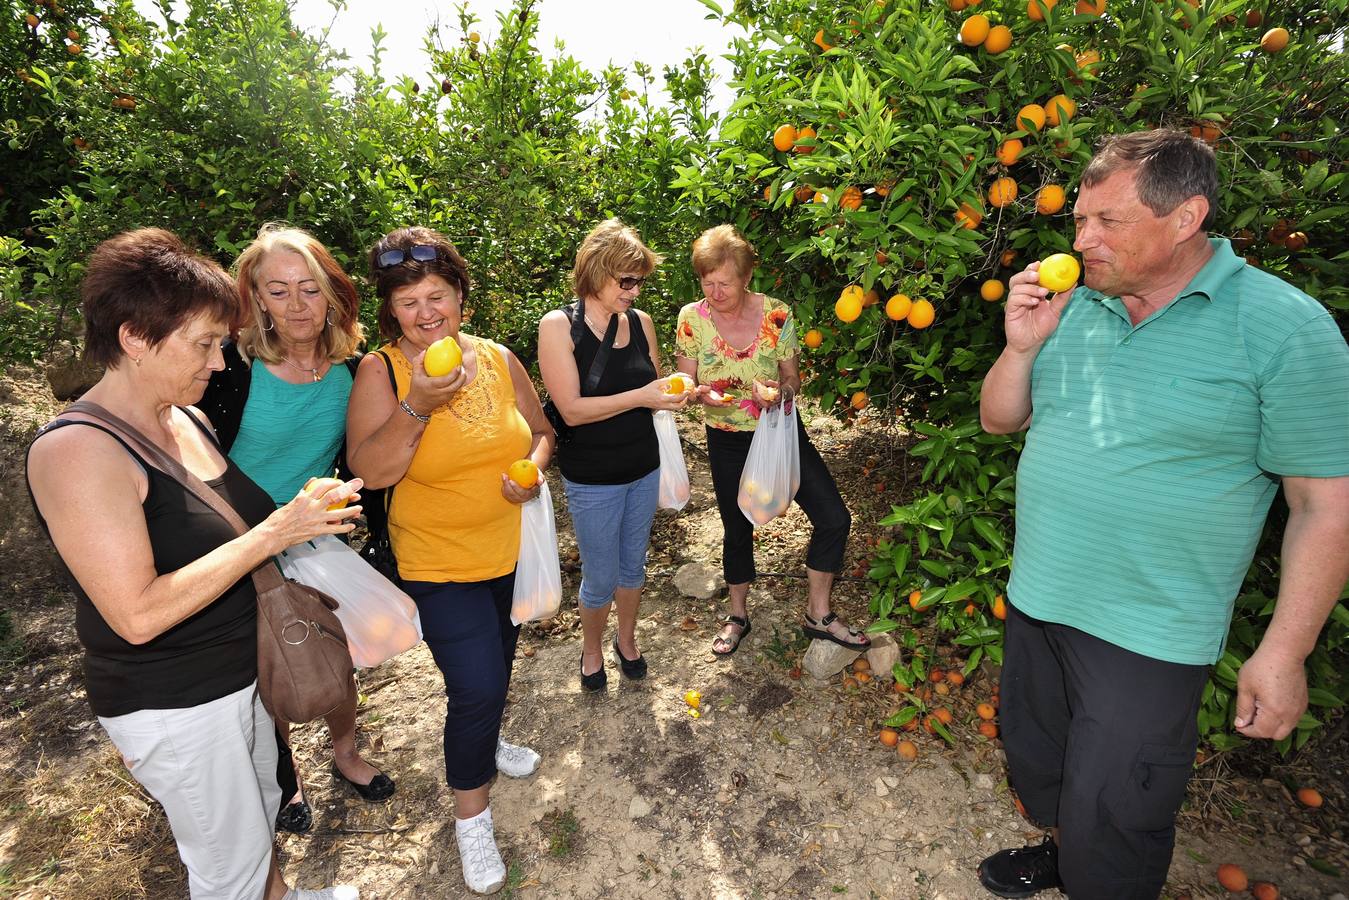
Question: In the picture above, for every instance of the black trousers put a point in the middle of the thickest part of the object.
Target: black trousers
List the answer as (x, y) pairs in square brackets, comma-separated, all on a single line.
[(818, 496), (1100, 741)]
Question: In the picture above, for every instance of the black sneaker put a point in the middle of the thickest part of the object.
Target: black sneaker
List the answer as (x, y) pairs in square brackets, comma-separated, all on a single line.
[(1023, 871)]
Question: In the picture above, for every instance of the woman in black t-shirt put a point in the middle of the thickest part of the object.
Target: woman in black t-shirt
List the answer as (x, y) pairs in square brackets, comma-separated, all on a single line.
[(165, 608), (599, 363)]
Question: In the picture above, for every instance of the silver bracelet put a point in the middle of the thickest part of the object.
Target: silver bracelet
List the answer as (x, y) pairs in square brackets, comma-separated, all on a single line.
[(403, 405)]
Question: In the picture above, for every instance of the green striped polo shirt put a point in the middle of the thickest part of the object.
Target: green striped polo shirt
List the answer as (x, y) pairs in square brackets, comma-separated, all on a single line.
[(1155, 450)]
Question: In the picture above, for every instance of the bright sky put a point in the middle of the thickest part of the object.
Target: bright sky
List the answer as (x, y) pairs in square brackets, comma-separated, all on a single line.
[(595, 32)]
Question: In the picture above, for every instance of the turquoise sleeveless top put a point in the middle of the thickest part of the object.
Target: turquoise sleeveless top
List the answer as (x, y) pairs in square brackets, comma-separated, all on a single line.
[(290, 432)]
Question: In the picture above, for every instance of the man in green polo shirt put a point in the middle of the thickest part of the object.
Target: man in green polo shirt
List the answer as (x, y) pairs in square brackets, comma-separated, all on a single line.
[(1166, 402)]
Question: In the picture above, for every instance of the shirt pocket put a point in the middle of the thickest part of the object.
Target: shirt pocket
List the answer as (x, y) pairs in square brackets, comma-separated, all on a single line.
[(1188, 413)]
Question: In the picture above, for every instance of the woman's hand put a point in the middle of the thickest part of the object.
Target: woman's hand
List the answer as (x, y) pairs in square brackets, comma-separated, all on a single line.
[(429, 393), (307, 516), (768, 393), (512, 491), (656, 395)]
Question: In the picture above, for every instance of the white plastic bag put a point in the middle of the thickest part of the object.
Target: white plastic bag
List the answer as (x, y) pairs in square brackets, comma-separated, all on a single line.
[(674, 475), (772, 470), (380, 620), (538, 578)]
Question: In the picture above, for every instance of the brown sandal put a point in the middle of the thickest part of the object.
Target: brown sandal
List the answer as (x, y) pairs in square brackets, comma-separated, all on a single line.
[(734, 640), (820, 631)]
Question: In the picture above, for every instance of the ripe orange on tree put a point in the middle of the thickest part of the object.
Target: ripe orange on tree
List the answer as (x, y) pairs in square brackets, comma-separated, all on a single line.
[(849, 305), (1033, 112), (1090, 7), (1002, 192), (870, 298), (974, 30), (820, 197), (921, 315), (804, 192), (31, 20), (784, 137), (897, 307), (968, 217), (882, 257), (850, 199), (999, 608), (1296, 241), (992, 290), (1036, 8), (1050, 199), (1060, 109), (1009, 151), (1254, 18), (1008, 257), (858, 400), (1274, 40), (805, 134), (915, 599), (999, 39), (820, 42), (883, 188), (812, 339), (1087, 61)]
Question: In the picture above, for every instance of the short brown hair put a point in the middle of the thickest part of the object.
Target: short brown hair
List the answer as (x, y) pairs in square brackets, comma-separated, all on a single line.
[(343, 332), (448, 264), (610, 249), (1171, 167), (717, 246), (153, 283)]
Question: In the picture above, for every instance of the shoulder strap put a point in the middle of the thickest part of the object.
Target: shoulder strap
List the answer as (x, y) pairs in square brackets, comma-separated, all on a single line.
[(636, 333), (264, 576), (388, 369)]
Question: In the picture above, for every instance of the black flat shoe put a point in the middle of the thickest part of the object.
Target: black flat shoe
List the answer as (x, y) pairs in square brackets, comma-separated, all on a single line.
[(595, 681), (631, 668), (1023, 871), (297, 818), (381, 787)]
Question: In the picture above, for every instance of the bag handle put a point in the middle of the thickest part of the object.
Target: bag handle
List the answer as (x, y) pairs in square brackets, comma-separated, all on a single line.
[(265, 576), (578, 312)]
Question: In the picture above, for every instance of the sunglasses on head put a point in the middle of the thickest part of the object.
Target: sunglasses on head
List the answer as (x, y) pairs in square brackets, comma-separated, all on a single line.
[(419, 252), (628, 282)]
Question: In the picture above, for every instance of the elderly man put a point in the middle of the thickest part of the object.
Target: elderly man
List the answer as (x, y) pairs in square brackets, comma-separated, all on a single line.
[(1166, 403)]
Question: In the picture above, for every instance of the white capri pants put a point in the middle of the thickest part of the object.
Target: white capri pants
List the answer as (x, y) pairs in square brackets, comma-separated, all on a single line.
[(213, 769)]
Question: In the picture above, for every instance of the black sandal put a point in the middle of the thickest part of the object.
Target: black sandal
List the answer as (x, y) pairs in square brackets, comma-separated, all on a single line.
[(735, 640), (297, 818), (820, 632)]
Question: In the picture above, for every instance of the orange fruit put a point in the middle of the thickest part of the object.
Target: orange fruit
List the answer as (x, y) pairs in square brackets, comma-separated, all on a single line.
[(988, 730), (820, 197), (1087, 61), (1274, 40), (768, 193), (1090, 7), (863, 677), (812, 339), (805, 134), (907, 750), (915, 599), (849, 305), (999, 608), (955, 678), (803, 193), (1265, 890), (74, 49), (968, 217), (1036, 8), (883, 188), (969, 610), (974, 30), (1009, 151), (31, 20), (1310, 797), (936, 675), (820, 42), (992, 290), (861, 665), (944, 715), (986, 711), (524, 473), (1059, 109), (1059, 272), (849, 681), (679, 383), (784, 137), (955, 5), (897, 307), (922, 314), (882, 257), (889, 737), (1007, 259), (1050, 199), (320, 486), (1232, 877), (1296, 241), (442, 357), (1002, 192), (998, 40), (858, 401), (1032, 111), (1254, 18), (851, 198)]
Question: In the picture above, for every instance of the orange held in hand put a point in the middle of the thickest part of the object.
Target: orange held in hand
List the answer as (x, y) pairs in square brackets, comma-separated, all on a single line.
[(1059, 272), (442, 357), (317, 487), (679, 383), (524, 473)]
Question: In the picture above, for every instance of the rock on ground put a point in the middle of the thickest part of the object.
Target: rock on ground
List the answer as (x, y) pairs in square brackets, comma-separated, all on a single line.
[(698, 580), (825, 659)]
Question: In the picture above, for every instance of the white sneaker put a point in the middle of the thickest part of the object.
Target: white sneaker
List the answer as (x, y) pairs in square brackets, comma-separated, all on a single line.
[(515, 761), (336, 892), (484, 872)]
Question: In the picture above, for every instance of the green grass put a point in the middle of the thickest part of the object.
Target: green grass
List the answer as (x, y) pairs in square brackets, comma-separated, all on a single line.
[(561, 829)]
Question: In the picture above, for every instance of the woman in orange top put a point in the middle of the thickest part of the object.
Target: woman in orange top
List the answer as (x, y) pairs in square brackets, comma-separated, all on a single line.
[(444, 444)]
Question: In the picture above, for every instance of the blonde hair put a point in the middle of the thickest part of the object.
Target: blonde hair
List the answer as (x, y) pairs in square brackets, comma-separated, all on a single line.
[(610, 250), (343, 331), (717, 246)]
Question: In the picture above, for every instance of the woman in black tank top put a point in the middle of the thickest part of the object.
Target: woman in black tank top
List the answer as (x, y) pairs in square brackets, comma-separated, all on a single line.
[(599, 362), (165, 607)]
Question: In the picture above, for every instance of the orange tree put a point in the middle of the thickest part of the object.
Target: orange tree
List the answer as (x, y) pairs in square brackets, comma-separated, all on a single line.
[(925, 148)]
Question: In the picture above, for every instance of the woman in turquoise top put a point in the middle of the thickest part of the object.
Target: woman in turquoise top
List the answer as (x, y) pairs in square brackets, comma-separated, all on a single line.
[(280, 408)]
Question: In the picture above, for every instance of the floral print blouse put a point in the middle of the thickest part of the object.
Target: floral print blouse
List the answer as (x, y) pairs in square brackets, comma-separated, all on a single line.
[(732, 370)]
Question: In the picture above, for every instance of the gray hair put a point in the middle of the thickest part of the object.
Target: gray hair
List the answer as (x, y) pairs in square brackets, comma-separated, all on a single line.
[(1172, 167)]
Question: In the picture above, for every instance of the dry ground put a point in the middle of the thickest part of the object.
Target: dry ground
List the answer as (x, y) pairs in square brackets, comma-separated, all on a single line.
[(779, 790)]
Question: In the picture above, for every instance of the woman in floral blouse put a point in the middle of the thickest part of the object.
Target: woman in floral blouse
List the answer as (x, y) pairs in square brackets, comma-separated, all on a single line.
[(741, 348)]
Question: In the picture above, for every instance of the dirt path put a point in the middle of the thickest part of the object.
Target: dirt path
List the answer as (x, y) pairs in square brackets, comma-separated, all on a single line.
[(780, 789)]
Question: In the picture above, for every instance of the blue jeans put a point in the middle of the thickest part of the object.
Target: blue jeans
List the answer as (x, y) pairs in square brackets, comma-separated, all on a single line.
[(613, 528), (467, 627)]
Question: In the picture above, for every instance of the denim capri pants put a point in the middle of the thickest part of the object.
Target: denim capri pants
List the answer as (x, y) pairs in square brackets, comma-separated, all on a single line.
[(613, 528)]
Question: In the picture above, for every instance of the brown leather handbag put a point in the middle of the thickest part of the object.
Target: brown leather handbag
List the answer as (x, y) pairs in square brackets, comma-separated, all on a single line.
[(304, 667)]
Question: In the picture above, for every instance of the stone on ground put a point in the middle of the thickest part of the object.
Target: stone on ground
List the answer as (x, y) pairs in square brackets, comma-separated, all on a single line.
[(698, 580), (882, 656), (825, 659)]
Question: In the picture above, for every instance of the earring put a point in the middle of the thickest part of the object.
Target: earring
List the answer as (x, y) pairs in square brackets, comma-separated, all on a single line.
[(328, 318), (270, 324), (138, 361)]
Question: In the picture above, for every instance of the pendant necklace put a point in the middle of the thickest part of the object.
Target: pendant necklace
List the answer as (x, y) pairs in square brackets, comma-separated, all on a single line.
[(313, 372)]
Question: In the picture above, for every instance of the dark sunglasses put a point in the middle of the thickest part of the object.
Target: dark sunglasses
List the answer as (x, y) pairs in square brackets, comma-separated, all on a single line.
[(628, 282), (419, 252)]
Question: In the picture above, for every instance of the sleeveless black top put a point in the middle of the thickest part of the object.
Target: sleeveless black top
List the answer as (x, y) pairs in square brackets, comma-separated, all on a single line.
[(209, 655), (621, 448)]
